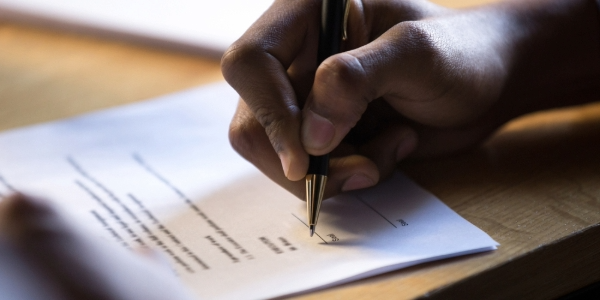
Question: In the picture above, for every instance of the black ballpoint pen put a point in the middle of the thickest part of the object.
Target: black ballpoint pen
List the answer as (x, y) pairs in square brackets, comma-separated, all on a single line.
[(334, 16)]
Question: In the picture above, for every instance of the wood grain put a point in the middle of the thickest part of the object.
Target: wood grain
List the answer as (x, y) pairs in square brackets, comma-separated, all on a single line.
[(46, 75), (534, 186)]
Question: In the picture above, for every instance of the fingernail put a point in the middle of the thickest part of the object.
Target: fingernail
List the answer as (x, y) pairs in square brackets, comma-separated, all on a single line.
[(285, 163), (317, 131), (406, 146), (357, 181)]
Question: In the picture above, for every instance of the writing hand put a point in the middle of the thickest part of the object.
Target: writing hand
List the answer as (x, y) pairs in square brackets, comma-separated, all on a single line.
[(416, 80)]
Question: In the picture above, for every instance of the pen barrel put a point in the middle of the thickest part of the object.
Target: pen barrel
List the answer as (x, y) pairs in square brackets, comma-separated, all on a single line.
[(318, 165), (330, 35), (330, 42)]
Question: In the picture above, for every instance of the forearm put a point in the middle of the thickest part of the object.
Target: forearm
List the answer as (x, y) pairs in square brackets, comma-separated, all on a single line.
[(550, 52)]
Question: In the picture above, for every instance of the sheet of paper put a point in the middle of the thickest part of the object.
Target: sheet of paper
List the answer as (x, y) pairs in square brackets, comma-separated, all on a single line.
[(207, 25), (162, 174)]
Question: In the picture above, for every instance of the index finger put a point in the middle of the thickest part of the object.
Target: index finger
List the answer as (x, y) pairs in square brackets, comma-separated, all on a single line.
[(256, 67)]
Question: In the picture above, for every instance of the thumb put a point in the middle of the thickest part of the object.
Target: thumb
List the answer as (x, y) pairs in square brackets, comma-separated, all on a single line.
[(392, 66)]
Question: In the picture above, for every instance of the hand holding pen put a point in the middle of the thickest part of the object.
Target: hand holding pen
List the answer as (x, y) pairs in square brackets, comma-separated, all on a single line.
[(413, 80)]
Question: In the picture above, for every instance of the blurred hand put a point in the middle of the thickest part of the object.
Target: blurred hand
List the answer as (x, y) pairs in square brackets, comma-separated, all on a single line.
[(415, 80), (70, 264)]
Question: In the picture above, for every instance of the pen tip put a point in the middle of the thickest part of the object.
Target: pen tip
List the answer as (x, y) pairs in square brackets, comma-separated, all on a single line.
[(312, 230)]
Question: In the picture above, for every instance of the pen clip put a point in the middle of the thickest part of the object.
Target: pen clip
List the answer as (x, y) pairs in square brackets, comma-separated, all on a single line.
[(346, 13)]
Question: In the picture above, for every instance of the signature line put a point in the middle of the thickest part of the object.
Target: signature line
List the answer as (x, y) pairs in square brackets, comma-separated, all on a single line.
[(372, 208), (309, 227)]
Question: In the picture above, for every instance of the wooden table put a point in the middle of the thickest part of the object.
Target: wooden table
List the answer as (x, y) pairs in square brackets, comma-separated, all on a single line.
[(534, 187)]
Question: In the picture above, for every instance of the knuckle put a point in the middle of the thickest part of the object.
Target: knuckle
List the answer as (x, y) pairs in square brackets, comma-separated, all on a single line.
[(248, 131), (357, 78), (343, 70), (245, 133), (242, 138), (346, 81), (423, 40), (237, 55), (274, 122), (429, 58)]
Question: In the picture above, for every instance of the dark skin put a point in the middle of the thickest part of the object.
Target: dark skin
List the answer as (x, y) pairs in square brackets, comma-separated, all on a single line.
[(416, 80)]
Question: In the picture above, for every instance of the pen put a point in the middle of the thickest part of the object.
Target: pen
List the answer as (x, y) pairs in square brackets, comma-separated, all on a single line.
[(334, 16)]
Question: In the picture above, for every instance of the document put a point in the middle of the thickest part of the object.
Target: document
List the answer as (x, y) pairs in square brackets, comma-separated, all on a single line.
[(208, 27), (162, 174)]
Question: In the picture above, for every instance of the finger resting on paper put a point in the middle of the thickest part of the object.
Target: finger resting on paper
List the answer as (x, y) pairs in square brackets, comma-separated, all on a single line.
[(23, 215), (346, 172), (81, 265), (42, 235), (350, 172), (390, 147)]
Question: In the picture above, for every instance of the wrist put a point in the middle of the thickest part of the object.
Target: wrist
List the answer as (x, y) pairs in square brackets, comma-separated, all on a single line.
[(555, 60)]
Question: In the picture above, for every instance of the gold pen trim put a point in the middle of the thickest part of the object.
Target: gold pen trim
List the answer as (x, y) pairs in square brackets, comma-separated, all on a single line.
[(346, 14), (315, 188)]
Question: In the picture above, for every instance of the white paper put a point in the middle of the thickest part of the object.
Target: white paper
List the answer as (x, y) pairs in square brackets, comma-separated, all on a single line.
[(207, 25), (162, 174)]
